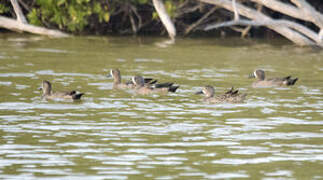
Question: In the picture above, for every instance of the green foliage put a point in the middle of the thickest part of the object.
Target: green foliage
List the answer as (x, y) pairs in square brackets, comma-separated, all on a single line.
[(33, 18), (90, 15), (4, 8), (142, 1), (170, 6), (71, 15)]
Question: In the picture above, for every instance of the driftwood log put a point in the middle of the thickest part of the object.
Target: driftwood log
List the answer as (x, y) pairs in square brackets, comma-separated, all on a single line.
[(21, 25), (299, 34), (295, 32)]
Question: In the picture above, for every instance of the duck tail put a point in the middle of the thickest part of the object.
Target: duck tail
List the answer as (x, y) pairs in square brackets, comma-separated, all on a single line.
[(150, 81), (77, 96), (291, 82), (287, 78), (230, 91), (235, 92), (147, 80), (153, 82), (173, 88), (163, 85)]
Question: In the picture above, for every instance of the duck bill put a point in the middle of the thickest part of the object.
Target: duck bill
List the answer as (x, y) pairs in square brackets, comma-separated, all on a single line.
[(199, 92), (251, 76)]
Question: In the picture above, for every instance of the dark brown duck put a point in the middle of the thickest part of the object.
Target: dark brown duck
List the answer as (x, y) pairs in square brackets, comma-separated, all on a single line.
[(49, 94)]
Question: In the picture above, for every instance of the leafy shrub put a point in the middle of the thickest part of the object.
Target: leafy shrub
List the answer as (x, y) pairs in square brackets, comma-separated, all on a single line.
[(71, 15), (77, 16)]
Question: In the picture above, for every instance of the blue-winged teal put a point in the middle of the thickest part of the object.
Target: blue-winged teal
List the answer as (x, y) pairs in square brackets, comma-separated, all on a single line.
[(231, 96), (143, 89), (117, 84), (49, 94), (272, 82)]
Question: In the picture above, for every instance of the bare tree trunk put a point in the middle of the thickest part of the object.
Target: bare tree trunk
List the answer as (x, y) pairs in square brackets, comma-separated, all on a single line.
[(165, 19), (21, 24)]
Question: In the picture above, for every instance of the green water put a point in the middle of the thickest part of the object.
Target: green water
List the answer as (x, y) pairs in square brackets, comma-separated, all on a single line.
[(110, 134)]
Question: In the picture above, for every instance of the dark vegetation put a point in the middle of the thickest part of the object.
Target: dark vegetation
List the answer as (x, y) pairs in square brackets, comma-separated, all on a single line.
[(132, 16)]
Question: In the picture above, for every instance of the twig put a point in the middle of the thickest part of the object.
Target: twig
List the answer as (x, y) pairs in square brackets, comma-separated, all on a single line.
[(20, 16), (233, 23), (134, 10), (236, 14), (245, 31), (187, 10), (24, 5), (198, 22), (133, 23)]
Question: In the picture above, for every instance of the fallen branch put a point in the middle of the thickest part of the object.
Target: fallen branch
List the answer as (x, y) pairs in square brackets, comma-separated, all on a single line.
[(304, 11), (21, 24), (297, 33), (236, 14), (240, 22), (309, 12), (311, 34), (17, 26)]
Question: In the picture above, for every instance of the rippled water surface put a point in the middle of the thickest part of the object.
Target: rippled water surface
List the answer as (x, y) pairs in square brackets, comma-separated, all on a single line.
[(276, 134)]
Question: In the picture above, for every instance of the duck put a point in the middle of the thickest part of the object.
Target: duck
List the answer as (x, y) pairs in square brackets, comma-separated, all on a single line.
[(231, 96), (141, 88), (49, 94), (117, 84), (262, 82)]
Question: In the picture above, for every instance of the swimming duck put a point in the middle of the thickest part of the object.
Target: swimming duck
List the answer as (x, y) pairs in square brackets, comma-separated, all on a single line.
[(272, 82), (143, 89), (49, 94), (231, 96), (117, 84)]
